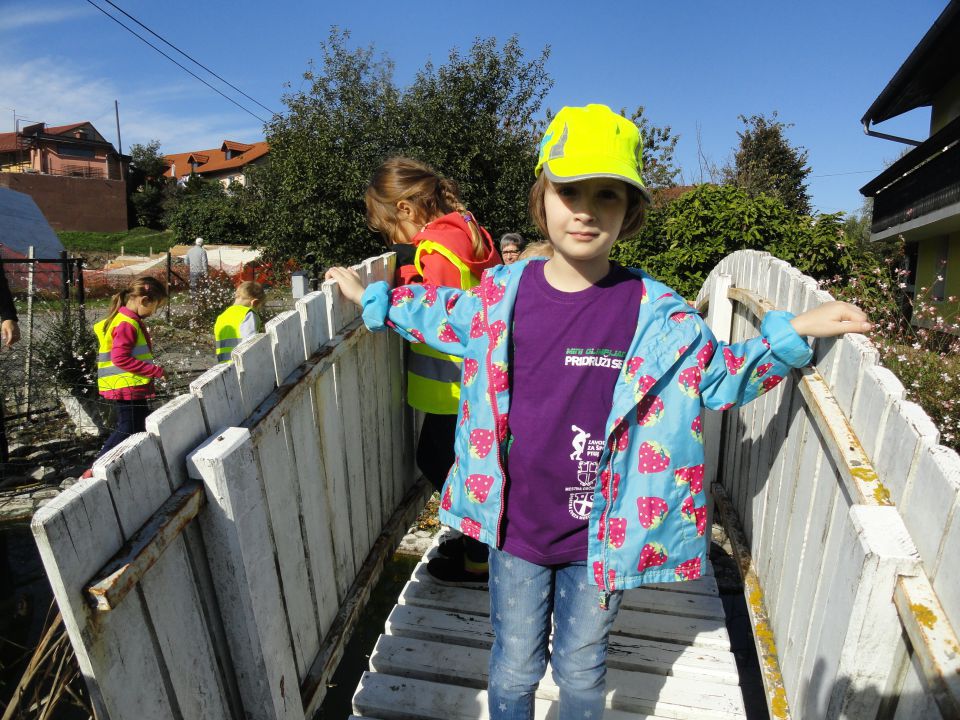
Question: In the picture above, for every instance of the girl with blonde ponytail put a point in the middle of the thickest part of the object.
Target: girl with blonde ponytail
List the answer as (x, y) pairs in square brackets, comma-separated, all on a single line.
[(438, 242), (125, 367)]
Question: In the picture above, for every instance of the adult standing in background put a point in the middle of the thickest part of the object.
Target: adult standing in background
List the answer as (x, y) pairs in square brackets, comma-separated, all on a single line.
[(9, 329), (196, 260), (511, 244)]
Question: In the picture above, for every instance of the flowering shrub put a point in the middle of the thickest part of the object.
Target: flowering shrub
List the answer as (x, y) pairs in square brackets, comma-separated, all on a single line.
[(915, 341)]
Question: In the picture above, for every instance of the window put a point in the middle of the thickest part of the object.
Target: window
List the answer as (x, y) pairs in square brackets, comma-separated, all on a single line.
[(75, 151)]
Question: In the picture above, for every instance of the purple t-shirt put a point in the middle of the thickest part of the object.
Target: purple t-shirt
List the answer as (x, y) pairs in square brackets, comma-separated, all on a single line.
[(567, 355)]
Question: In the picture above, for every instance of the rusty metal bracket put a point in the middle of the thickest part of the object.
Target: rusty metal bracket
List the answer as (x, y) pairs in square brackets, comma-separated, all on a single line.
[(119, 576)]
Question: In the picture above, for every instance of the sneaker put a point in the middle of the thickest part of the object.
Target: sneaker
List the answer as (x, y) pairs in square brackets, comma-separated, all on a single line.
[(447, 571), (87, 474), (452, 548)]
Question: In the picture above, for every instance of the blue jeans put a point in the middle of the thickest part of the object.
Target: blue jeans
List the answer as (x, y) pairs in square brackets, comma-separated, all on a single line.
[(523, 596), (131, 418)]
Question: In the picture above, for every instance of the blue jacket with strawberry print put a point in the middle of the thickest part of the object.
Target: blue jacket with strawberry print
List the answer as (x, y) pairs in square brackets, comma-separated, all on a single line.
[(648, 519)]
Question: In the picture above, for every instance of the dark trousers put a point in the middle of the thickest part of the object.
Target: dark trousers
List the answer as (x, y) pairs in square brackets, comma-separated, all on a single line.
[(131, 418), (435, 457)]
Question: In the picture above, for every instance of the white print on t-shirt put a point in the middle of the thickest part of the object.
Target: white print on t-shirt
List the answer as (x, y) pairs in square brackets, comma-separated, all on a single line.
[(579, 442), (580, 496)]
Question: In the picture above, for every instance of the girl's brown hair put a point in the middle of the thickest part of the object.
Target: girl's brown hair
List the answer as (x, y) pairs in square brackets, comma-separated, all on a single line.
[(632, 220), (144, 286), (403, 178)]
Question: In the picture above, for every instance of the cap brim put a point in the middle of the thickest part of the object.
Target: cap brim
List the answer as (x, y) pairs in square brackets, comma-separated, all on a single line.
[(559, 171)]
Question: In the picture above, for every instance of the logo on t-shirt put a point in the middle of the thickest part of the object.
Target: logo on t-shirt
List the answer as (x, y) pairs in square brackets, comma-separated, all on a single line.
[(586, 456), (593, 357)]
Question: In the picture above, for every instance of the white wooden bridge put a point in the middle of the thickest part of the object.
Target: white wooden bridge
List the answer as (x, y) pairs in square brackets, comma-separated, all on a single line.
[(218, 563)]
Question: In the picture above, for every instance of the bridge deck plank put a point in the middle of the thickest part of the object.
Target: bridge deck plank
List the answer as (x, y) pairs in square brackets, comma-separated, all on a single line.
[(669, 656)]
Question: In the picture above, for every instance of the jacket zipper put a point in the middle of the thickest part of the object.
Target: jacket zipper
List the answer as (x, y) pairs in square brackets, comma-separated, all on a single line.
[(492, 395)]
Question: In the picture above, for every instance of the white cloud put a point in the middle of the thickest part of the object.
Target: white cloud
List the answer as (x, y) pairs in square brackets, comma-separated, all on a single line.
[(53, 91), (22, 16)]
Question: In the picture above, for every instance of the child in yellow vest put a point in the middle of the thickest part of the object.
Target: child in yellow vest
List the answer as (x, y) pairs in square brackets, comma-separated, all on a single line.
[(239, 321), (125, 367)]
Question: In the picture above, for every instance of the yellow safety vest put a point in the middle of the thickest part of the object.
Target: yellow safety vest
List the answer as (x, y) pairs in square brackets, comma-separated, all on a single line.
[(226, 330), (109, 376), (433, 377)]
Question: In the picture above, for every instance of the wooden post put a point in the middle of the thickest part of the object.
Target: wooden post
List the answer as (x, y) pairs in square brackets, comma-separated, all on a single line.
[(169, 270), (31, 270)]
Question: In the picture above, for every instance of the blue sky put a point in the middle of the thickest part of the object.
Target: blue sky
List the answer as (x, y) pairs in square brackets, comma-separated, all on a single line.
[(695, 66)]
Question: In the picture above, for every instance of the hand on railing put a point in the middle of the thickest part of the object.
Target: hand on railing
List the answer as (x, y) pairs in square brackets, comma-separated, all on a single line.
[(349, 282), (830, 319)]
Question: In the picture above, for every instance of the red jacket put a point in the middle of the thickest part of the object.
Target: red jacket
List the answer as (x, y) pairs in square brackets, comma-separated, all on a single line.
[(453, 232)]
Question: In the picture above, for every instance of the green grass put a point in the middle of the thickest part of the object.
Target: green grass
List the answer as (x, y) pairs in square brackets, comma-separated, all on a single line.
[(134, 242)]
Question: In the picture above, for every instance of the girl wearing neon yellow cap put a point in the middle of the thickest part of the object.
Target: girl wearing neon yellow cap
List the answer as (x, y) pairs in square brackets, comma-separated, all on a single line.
[(580, 453)]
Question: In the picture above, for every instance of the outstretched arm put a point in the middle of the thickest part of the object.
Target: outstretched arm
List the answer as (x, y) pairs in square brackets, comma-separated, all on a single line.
[(831, 319)]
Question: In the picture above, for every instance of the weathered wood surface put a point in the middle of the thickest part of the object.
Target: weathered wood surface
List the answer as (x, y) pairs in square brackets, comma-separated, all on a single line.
[(241, 612), (809, 468), (668, 657)]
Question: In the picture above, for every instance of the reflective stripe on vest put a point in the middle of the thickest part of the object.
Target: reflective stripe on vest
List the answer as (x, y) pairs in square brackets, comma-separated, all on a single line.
[(109, 376), (226, 330), (433, 377)]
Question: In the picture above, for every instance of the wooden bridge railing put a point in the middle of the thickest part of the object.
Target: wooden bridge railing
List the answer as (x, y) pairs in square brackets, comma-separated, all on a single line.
[(217, 563), (848, 512)]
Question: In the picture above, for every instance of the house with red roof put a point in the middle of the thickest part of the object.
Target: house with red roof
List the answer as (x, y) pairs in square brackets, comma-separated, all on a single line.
[(226, 164), (75, 150), (74, 175)]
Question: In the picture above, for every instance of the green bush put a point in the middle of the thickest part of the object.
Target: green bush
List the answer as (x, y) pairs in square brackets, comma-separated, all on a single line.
[(682, 241)]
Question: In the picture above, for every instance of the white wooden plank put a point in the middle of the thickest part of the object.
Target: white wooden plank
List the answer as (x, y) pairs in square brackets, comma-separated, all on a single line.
[(257, 376), (853, 674), (218, 390), (334, 306), (701, 632), (286, 336), (178, 427), (914, 702), (335, 472), (234, 528), (673, 603), (946, 575), (451, 628), (388, 500), (930, 500), (635, 691), (276, 463), (395, 698), (313, 319), (76, 534), (168, 592), (369, 439), (348, 401), (907, 431), (879, 390), (316, 509)]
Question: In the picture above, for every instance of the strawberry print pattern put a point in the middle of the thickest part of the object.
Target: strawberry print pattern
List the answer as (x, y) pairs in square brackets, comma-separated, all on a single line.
[(733, 362), (445, 333), (692, 476), (617, 532), (652, 511), (652, 555), (400, 295), (429, 295), (654, 458), (470, 528), (478, 487), (470, 368), (689, 569), (481, 442), (696, 429), (446, 502)]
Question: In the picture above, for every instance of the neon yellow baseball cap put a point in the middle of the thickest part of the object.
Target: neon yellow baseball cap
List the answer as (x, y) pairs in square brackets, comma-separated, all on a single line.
[(592, 142)]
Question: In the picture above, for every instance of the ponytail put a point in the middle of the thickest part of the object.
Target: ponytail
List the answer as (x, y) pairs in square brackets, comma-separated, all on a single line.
[(143, 286), (450, 199), (402, 178)]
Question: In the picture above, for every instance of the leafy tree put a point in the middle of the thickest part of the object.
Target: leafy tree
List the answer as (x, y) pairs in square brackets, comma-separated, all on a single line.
[(766, 162), (472, 118), (204, 208), (659, 144), (682, 241), (150, 189)]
